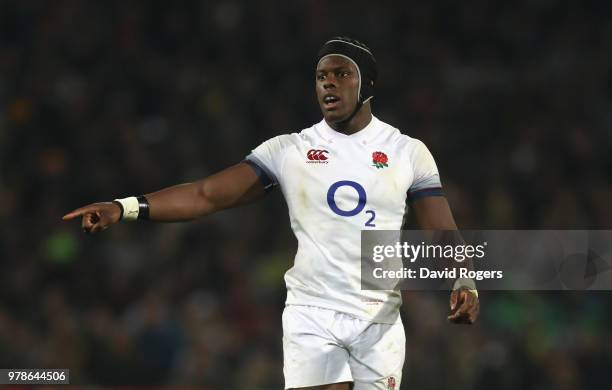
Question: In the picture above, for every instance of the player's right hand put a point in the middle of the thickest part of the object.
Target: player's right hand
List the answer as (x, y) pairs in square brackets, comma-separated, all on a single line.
[(96, 216)]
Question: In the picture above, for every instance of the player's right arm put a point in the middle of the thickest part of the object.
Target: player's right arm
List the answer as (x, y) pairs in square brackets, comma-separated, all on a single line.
[(234, 186)]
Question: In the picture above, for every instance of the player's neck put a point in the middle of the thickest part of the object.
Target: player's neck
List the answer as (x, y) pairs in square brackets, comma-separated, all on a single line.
[(358, 122)]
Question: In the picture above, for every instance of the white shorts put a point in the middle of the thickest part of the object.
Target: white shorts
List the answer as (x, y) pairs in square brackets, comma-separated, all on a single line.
[(323, 346)]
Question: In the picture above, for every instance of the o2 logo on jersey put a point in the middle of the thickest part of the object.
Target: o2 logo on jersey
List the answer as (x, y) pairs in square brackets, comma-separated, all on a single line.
[(363, 198)]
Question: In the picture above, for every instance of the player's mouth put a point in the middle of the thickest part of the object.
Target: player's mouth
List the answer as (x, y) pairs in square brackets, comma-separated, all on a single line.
[(330, 101)]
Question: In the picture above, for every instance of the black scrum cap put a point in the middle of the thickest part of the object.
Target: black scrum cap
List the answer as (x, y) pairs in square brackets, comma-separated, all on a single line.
[(361, 56)]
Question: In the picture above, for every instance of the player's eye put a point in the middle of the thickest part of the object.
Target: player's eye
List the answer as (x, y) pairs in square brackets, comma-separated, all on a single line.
[(320, 77), (345, 74)]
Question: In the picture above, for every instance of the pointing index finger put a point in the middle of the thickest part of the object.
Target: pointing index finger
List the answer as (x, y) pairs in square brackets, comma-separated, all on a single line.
[(78, 212)]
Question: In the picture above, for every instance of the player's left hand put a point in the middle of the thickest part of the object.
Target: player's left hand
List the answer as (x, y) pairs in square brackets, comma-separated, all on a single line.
[(464, 306)]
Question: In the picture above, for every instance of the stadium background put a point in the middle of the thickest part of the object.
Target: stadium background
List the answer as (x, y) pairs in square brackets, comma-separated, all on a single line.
[(107, 99)]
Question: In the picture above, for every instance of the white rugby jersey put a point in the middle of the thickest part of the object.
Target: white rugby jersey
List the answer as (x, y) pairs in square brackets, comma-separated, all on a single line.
[(336, 185)]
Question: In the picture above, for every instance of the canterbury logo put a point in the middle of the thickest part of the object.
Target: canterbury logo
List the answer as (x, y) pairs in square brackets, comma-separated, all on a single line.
[(317, 156)]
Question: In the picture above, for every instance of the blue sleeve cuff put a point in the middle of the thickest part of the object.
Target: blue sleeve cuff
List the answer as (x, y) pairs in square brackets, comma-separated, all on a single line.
[(265, 178), (423, 193)]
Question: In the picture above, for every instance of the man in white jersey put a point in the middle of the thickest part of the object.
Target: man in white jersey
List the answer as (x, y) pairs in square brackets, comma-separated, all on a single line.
[(347, 173)]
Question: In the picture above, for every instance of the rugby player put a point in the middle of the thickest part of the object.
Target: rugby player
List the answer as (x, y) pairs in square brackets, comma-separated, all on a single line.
[(349, 172)]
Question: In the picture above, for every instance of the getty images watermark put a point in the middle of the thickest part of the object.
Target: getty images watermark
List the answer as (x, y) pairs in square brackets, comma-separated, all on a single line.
[(458, 253), (495, 259)]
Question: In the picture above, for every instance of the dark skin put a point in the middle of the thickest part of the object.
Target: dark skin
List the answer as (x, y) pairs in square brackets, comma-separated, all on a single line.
[(239, 185), (434, 213), (338, 77)]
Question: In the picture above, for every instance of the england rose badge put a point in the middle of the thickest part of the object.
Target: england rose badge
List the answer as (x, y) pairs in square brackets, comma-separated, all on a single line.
[(380, 160)]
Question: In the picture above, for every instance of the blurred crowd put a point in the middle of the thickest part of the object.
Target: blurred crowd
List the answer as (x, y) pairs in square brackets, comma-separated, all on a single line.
[(100, 100)]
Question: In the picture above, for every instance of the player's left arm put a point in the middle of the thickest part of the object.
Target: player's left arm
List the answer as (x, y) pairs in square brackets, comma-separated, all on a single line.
[(434, 213)]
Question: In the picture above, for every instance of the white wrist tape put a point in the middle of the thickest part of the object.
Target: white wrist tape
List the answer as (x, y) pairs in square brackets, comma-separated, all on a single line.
[(130, 208), (466, 283)]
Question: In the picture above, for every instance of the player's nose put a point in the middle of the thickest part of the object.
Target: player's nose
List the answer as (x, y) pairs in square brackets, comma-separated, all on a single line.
[(330, 82)]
